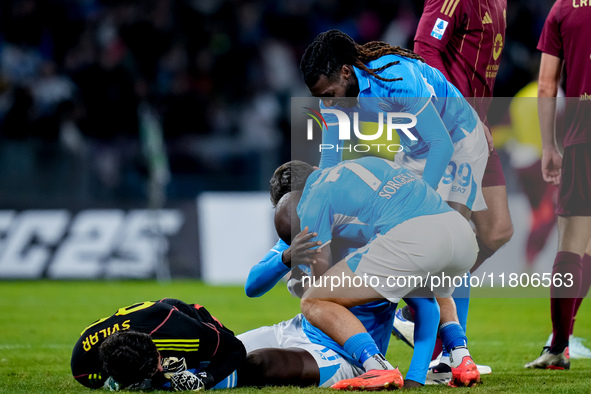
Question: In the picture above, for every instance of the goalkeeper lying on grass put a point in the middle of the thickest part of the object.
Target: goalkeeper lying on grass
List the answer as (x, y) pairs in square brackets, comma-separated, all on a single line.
[(164, 344)]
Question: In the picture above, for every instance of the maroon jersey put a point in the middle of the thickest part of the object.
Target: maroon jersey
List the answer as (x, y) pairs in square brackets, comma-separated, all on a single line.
[(464, 40), (566, 35)]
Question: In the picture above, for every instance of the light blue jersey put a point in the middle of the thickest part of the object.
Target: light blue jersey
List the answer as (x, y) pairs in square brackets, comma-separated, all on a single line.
[(357, 199), (421, 84), (443, 115)]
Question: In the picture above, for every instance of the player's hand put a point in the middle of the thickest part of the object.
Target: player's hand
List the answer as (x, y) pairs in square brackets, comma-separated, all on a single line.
[(295, 284), (551, 165), (300, 251), (489, 138), (186, 381)]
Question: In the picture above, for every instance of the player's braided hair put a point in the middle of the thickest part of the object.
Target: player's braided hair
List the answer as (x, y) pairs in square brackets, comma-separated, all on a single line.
[(333, 49)]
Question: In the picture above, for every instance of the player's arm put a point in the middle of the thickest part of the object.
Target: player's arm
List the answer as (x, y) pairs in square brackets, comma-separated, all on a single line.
[(432, 56), (548, 82), (332, 152), (425, 334), (438, 21), (220, 351), (86, 366), (432, 130), (264, 275), (217, 343), (278, 262), (226, 358)]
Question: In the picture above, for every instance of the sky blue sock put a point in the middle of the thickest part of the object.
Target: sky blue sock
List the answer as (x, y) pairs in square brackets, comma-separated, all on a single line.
[(229, 382), (361, 347), (461, 296), (426, 325), (452, 335)]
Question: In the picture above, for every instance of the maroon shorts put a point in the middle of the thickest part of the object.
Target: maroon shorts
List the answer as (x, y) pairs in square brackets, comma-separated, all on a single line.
[(493, 173), (574, 192)]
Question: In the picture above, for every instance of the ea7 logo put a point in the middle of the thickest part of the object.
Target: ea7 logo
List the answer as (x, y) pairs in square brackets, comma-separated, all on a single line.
[(92, 244)]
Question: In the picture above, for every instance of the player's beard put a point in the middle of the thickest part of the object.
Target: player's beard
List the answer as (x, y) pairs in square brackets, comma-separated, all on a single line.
[(351, 96)]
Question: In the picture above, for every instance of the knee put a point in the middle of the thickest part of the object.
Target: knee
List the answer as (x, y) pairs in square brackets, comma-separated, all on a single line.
[(253, 371), (307, 305), (257, 360)]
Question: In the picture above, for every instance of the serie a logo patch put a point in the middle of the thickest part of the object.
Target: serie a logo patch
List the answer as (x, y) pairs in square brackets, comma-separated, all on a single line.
[(439, 28)]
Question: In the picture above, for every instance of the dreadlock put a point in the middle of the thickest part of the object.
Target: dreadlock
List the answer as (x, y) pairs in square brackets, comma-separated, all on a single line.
[(333, 49)]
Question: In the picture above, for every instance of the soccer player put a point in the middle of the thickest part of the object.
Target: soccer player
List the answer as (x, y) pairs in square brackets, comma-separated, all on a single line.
[(302, 354), (374, 78), (464, 39), (565, 42), (159, 345), (411, 234)]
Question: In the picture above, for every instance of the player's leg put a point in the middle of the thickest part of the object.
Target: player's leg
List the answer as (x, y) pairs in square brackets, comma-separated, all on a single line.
[(493, 226), (585, 277), (574, 235), (260, 338), (393, 263), (493, 229), (327, 308), (279, 367), (463, 370), (461, 187), (426, 311), (576, 347), (291, 358)]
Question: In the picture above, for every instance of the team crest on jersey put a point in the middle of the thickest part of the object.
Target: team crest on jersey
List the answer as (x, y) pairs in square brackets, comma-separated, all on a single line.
[(439, 28), (384, 106)]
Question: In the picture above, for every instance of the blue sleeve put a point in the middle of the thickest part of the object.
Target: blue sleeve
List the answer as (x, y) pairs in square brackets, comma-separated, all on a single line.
[(432, 130), (314, 213), (263, 276), (332, 147), (426, 325)]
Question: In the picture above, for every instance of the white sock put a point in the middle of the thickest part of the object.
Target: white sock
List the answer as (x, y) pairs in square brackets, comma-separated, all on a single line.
[(444, 360), (377, 361), (457, 354)]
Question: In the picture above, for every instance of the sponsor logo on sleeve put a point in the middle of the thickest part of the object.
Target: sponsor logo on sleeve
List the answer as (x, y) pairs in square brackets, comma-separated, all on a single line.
[(439, 28)]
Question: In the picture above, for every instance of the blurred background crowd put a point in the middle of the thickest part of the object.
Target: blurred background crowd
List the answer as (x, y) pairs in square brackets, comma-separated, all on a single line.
[(98, 97)]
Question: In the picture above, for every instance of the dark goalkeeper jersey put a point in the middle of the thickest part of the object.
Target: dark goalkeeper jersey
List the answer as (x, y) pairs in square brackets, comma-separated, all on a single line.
[(179, 331)]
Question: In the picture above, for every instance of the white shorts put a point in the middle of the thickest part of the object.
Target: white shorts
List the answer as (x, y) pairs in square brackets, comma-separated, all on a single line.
[(290, 334), (415, 254), (462, 180)]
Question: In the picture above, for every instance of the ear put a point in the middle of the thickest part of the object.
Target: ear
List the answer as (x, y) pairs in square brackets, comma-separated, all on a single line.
[(346, 71)]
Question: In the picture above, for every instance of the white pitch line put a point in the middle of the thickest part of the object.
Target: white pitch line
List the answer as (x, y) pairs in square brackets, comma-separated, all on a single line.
[(7, 346)]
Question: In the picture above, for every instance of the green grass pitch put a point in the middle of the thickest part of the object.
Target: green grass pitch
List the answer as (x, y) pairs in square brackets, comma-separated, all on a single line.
[(40, 322)]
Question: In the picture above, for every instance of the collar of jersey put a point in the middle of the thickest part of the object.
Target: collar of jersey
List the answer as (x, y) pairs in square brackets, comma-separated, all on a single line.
[(362, 80)]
